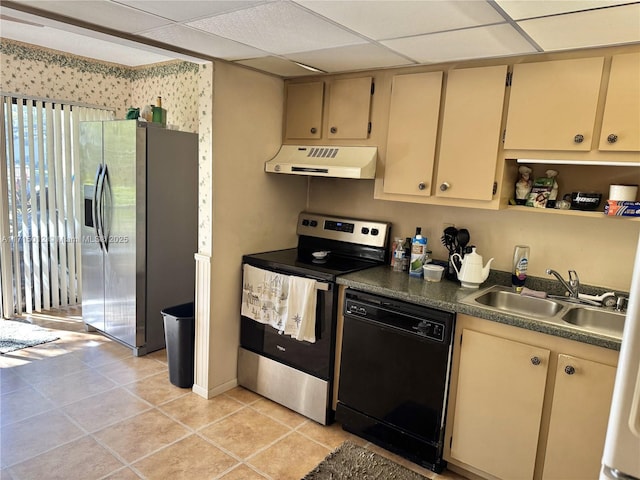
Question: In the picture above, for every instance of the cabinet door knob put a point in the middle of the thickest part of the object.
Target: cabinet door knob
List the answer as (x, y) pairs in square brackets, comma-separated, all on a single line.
[(314, 129), (535, 360), (613, 138), (421, 186), (334, 129), (444, 186), (578, 138), (569, 370)]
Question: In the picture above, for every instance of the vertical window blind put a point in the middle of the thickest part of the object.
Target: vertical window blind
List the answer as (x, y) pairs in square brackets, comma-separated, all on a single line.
[(40, 209)]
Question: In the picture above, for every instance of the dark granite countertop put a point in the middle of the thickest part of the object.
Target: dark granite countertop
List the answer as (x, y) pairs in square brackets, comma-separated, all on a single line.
[(446, 295)]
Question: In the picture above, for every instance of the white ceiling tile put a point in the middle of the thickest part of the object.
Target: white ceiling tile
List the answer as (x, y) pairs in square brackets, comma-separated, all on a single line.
[(182, 10), (277, 66), (279, 27), (353, 57), (80, 45), (100, 12), (609, 26), (481, 42), (386, 19), (204, 43), (521, 9)]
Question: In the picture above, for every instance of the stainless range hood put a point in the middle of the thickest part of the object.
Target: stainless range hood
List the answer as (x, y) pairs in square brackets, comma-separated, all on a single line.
[(325, 161)]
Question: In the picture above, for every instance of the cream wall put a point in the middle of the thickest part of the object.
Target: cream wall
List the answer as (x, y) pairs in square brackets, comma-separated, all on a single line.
[(601, 250), (251, 211)]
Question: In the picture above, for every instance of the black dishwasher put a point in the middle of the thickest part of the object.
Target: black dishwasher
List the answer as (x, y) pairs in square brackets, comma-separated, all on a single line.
[(394, 375)]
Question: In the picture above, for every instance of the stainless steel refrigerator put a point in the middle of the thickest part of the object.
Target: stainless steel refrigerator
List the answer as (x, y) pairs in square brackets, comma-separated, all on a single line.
[(621, 456), (139, 232)]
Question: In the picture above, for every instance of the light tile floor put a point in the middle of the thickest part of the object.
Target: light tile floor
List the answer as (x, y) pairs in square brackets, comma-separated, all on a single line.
[(83, 407)]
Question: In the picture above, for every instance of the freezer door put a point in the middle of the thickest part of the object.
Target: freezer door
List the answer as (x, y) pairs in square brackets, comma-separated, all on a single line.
[(123, 220), (92, 254)]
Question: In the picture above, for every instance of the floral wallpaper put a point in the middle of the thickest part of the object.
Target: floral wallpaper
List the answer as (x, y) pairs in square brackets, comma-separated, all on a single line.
[(177, 84), (205, 160), (40, 72)]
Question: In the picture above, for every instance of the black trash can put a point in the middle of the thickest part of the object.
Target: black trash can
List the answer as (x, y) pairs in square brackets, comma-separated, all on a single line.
[(179, 334)]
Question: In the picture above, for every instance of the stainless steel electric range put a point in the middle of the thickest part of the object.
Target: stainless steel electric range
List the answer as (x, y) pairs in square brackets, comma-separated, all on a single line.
[(297, 373)]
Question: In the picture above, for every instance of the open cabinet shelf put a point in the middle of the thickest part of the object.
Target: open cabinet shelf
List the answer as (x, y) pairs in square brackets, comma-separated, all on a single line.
[(574, 213)]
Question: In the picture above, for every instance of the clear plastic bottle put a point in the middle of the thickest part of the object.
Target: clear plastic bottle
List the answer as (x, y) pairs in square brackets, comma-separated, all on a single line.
[(519, 267), (398, 256)]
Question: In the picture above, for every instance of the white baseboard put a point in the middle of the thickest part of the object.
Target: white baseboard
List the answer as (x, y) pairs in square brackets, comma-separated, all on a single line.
[(214, 392)]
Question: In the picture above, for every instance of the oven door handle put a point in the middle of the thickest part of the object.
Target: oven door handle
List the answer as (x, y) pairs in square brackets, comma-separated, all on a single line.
[(323, 286)]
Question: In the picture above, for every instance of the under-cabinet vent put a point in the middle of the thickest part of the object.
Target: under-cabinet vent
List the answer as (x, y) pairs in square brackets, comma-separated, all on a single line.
[(325, 161), (321, 152)]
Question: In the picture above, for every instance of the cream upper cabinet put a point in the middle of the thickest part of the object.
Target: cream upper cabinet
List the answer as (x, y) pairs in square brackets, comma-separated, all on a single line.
[(621, 120), (579, 416), (349, 108), (552, 105), (303, 114), (499, 399), (471, 132), (345, 102), (411, 138)]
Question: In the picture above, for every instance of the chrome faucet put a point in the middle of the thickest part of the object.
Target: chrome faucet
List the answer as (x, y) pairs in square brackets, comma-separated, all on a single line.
[(573, 286)]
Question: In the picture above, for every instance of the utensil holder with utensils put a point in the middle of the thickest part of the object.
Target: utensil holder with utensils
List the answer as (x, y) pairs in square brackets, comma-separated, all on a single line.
[(456, 241)]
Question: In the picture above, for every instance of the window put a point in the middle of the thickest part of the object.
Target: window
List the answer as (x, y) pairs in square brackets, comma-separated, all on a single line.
[(40, 197)]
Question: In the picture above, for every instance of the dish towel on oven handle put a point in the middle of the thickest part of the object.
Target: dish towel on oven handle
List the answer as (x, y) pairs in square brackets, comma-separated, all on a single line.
[(301, 320), (265, 296)]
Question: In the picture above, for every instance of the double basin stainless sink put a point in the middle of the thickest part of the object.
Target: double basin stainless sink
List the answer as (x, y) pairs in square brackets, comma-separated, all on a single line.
[(559, 312)]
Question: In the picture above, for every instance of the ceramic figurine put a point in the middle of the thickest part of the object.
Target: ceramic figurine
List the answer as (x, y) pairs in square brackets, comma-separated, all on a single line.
[(523, 185)]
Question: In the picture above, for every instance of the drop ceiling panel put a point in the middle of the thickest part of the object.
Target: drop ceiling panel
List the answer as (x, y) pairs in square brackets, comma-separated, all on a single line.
[(100, 12), (183, 10), (385, 19), (608, 26), (279, 27), (491, 41), (352, 57), (204, 43), (521, 9), (277, 66)]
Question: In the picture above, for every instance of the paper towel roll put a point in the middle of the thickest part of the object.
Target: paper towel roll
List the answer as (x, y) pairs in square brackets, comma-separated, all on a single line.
[(625, 193)]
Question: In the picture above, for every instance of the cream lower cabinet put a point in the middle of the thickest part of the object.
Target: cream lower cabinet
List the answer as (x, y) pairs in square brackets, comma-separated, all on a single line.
[(525, 405), (499, 405), (579, 416)]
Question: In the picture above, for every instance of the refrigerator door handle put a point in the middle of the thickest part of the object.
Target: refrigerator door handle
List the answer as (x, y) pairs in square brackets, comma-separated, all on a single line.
[(100, 209), (105, 220), (96, 207)]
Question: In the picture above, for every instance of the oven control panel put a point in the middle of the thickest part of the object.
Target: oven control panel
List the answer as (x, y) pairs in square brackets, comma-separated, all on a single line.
[(363, 232)]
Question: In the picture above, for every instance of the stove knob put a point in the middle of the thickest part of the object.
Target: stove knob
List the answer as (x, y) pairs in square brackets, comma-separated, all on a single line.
[(305, 222), (313, 223), (364, 230), (374, 231)]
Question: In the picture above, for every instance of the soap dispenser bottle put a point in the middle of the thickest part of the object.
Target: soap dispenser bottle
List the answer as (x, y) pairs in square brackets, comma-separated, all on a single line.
[(519, 267)]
